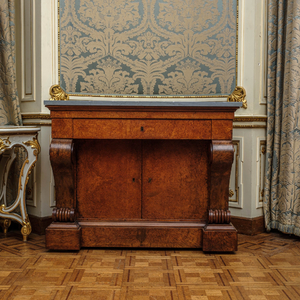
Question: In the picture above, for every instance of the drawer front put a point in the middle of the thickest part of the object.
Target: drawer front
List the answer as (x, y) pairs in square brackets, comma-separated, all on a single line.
[(163, 237), (62, 128), (141, 129)]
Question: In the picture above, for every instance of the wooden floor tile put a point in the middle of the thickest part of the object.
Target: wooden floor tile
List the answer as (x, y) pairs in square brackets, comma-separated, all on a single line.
[(266, 266)]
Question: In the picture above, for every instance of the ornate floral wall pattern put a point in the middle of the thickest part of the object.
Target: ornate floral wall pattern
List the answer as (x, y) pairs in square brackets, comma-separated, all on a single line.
[(148, 47)]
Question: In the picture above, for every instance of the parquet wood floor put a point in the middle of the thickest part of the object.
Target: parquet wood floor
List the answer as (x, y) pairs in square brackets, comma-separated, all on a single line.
[(267, 266)]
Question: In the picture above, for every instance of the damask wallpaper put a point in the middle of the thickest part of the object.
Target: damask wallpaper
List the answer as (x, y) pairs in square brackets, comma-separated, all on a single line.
[(148, 47)]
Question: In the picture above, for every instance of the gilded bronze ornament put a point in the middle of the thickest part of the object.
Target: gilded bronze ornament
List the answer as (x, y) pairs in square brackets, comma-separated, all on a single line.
[(2, 207), (5, 223), (231, 193), (238, 95), (57, 93), (4, 144), (26, 229), (34, 145)]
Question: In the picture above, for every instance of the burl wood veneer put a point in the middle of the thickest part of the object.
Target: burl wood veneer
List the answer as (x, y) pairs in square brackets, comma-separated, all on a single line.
[(141, 174)]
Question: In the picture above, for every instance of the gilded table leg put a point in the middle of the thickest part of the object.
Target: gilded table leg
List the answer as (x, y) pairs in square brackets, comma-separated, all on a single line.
[(26, 229), (17, 210), (5, 223)]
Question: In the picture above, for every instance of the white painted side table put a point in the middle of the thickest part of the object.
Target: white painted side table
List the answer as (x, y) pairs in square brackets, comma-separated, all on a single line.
[(12, 137)]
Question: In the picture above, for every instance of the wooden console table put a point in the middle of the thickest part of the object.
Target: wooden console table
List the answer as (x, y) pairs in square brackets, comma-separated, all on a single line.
[(141, 174)]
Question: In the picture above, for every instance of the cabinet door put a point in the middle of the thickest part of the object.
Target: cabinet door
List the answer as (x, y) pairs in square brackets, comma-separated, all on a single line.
[(175, 180), (108, 179)]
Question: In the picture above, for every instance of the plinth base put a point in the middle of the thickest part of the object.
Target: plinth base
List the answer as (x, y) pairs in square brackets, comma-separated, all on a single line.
[(219, 238), (63, 236)]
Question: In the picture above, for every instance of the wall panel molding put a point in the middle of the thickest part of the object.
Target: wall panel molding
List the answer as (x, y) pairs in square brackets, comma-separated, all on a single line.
[(240, 50), (28, 51), (250, 119), (236, 177), (251, 54), (264, 52), (249, 126), (55, 41), (260, 170)]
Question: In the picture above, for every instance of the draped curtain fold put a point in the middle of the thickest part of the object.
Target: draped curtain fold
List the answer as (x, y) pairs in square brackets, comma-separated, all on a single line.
[(282, 180), (9, 101)]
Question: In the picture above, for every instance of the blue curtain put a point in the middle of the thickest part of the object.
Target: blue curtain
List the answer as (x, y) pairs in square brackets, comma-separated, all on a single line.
[(9, 102), (282, 181)]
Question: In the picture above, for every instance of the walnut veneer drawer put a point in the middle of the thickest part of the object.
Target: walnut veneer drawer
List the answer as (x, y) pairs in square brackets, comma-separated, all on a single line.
[(141, 129)]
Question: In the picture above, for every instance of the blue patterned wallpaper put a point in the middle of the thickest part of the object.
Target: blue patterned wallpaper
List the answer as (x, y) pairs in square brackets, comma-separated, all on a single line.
[(148, 47)]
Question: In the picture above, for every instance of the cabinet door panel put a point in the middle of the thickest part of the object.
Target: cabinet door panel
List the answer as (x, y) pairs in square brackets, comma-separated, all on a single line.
[(109, 179), (175, 179)]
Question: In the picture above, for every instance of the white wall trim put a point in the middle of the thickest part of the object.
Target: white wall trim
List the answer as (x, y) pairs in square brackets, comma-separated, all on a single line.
[(54, 26), (259, 170), (240, 68), (263, 53), (28, 48), (240, 201)]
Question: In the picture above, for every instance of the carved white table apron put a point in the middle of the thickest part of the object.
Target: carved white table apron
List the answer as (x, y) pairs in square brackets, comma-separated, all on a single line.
[(12, 137)]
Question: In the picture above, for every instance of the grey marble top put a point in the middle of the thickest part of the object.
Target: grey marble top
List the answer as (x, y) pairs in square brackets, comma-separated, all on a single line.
[(144, 103)]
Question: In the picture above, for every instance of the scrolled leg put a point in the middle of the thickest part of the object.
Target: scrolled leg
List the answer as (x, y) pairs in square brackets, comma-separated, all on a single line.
[(62, 162), (26, 229), (64, 233), (219, 234), (16, 139), (5, 223), (221, 162)]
